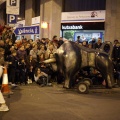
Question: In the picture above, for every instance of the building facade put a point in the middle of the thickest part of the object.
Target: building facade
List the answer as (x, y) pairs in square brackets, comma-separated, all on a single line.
[(50, 12)]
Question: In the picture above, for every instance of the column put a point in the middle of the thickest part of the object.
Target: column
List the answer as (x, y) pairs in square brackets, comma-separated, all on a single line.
[(112, 21), (29, 14), (2, 17), (50, 12)]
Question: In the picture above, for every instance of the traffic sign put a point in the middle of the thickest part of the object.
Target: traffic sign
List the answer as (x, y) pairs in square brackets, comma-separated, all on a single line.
[(12, 19), (12, 7), (31, 30)]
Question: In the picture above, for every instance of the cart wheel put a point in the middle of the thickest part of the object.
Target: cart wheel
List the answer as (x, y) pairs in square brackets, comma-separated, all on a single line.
[(83, 88), (88, 81)]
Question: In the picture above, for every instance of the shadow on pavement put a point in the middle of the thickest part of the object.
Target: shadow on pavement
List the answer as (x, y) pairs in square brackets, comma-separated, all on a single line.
[(113, 93)]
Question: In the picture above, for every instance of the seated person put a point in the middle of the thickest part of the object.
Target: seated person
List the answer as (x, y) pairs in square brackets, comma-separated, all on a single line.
[(92, 73), (40, 77), (96, 77), (46, 68)]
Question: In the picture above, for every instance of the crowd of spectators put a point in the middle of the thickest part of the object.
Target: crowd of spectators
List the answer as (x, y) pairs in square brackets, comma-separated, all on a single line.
[(24, 57)]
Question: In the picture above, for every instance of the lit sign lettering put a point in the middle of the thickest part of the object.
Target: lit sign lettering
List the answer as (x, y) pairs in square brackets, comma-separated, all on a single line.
[(72, 27)]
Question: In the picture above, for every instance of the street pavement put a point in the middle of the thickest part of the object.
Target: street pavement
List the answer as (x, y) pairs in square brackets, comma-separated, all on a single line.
[(33, 102)]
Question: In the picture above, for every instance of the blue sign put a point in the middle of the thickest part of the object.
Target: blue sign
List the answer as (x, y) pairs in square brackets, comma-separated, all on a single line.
[(32, 30), (12, 19)]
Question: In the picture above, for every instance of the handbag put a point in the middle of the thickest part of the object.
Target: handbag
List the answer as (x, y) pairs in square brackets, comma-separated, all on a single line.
[(42, 80)]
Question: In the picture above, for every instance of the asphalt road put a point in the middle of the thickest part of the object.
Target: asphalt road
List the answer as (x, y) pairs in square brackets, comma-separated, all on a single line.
[(32, 102)]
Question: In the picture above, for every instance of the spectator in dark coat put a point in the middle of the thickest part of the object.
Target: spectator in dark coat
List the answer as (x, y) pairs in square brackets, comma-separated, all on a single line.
[(30, 62), (13, 65), (116, 52), (21, 53), (93, 42), (116, 42), (23, 71), (30, 73), (79, 40), (98, 44), (28, 48)]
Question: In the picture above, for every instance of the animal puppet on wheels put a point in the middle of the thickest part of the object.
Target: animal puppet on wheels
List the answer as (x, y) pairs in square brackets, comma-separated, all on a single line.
[(71, 57)]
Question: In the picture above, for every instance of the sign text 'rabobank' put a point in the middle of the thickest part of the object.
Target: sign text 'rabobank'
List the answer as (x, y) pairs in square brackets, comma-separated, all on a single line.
[(27, 30)]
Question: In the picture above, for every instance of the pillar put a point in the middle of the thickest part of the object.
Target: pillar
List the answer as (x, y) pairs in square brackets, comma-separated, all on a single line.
[(50, 12), (2, 17), (112, 21), (29, 13)]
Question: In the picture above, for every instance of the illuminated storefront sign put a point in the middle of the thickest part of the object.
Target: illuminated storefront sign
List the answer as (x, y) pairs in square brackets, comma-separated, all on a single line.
[(83, 26), (72, 27)]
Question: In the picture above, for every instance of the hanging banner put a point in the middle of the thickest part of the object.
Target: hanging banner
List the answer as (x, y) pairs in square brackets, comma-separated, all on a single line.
[(83, 15), (12, 7)]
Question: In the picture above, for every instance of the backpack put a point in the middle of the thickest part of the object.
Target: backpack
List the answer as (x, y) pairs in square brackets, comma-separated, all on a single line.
[(42, 80)]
